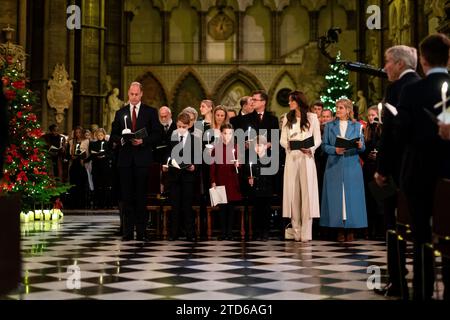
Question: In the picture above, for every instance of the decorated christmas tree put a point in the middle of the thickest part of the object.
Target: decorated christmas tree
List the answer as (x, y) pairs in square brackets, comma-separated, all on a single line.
[(27, 166), (338, 85)]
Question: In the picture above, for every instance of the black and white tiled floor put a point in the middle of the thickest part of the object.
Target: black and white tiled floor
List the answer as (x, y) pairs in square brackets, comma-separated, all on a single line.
[(218, 270)]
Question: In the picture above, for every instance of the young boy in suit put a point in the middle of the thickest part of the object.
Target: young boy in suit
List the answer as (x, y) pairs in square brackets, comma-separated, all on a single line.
[(181, 180), (261, 189)]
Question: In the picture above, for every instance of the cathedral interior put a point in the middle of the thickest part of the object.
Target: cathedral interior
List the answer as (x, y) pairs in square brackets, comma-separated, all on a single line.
[(183, 51)]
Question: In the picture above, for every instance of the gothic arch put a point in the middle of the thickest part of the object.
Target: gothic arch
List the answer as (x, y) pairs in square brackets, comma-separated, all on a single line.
[(282, 75), (188, 91), (154, 92), (228, 80)]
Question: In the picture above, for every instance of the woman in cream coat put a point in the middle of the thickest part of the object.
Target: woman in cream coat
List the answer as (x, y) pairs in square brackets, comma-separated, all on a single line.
[(301, 193)]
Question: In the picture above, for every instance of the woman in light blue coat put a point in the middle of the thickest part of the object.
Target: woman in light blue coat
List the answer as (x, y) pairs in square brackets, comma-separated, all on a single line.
[(343, 198)]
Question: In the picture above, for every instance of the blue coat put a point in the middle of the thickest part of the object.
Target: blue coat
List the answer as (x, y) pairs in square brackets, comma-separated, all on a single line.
[(343, 169)]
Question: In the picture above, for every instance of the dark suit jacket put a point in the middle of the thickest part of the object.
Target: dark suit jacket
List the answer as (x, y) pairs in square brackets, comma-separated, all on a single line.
[(192, 146), (426, 156), (268, 122), (162, 148), (391, 144), (4, 127), (139, 156)]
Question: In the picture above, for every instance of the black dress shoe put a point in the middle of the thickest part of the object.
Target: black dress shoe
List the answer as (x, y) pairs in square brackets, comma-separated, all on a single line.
[(388, 291), (142, 238), (127, 238)]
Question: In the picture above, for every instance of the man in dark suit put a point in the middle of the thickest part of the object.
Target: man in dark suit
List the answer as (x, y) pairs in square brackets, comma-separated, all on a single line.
[(184, 147), (134, 159), (400, 66), (167, 126), (246, 108), (426, 156), (260, 120)]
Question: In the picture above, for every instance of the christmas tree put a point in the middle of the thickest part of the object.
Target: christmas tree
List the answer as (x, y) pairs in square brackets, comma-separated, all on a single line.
[(338, 85), (27, 167)]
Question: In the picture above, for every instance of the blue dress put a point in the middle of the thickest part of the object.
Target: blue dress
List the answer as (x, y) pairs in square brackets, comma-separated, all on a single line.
[(343, 172)]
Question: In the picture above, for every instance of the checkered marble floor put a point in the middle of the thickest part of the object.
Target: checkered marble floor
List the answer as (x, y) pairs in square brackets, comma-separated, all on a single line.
[(218, 270)]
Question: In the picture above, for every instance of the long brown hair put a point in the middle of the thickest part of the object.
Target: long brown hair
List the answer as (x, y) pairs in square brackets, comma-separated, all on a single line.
[(300, 98), (369, 128)]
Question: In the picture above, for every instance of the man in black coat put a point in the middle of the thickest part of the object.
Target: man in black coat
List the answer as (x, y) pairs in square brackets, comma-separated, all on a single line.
[(246, 108), (260, 120), (134, 159), (426, 157), (400, 66)]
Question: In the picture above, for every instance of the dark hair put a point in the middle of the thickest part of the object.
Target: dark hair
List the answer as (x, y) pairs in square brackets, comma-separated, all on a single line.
[(300, 98), (434, 49), (317, 103), (52, 127), (244, 101), (262, 94), (184, 118), (226, 126)]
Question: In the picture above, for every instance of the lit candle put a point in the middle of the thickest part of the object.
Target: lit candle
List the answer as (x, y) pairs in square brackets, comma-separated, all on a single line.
[(168, 160), (249, 129), (125, 121), (251, 173), (101, 148), (61, 142), (444, 100), (77, 149), (380, 106), (360, 130), (207, 134), (234, 160)]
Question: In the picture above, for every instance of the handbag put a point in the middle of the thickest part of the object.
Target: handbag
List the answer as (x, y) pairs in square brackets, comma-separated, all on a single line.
[(289, 232)]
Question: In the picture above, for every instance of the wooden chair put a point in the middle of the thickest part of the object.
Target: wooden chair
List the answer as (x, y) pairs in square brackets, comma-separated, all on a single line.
[(209, 219)]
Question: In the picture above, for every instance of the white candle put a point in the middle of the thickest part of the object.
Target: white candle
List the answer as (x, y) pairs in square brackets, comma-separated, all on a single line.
[(101, 148), (380, 106), (249, 129), (168, 160), (360, 131), (125, 121), (444, 100), (61, 142), (78, 147), (234, 160), (251, 173), (207, 134)]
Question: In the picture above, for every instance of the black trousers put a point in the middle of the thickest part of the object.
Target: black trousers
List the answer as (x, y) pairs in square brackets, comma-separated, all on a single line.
[(396, 249), (261, 216), (226, 219), (133, 182), (420, 205), (181, 196)]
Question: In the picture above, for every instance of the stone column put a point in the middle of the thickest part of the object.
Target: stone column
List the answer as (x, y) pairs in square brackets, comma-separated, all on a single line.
[(275, 37), (313, 25), (165, 54), (239, 36), (90, 62), (202, 40)]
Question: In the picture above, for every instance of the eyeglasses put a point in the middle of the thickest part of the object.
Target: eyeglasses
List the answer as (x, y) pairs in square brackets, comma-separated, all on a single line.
[(257, 99)]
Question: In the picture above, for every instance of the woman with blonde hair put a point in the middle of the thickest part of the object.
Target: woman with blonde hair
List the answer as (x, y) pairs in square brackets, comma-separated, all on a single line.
[(220, 117), (343, 199)]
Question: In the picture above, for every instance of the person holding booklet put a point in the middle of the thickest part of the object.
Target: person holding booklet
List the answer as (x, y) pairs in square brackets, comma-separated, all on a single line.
[(343, 198), (300, 137), (261, 189), (224, 171), (182, 171)]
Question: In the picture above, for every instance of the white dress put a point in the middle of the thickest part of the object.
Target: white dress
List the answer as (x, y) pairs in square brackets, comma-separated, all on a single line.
[(300, 186), (343, 129)]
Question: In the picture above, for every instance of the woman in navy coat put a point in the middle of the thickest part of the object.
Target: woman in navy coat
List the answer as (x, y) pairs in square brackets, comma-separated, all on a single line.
[(343, 198)]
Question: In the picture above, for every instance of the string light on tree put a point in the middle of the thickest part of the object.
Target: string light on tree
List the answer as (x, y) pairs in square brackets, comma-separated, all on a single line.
[(338, 86)]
